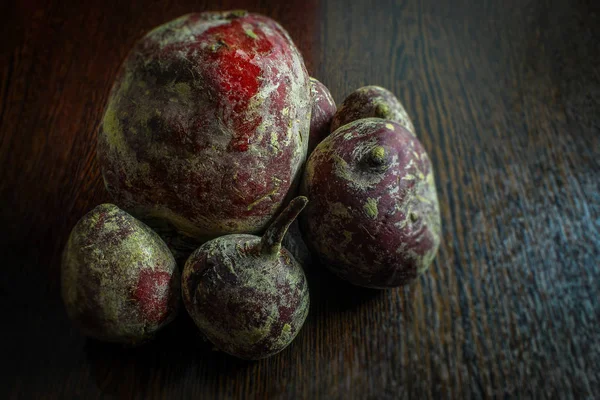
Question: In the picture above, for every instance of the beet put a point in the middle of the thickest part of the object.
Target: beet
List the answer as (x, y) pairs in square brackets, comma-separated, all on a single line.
[(207, 124), (371, 102), (374, 217), (247, 294), (119, 282), (323, 110)]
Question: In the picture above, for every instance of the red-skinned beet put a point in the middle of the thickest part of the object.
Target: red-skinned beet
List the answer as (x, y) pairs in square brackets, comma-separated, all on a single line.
[(247, 294), (371, 102), (374, 217), (201, 106), (323, 110), (119, 282)]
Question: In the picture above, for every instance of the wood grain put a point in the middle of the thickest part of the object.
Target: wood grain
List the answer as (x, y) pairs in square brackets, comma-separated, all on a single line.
[(505, 97)]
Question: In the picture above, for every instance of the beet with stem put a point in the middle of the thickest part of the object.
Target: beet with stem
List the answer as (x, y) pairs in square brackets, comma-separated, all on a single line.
[(247, 294)]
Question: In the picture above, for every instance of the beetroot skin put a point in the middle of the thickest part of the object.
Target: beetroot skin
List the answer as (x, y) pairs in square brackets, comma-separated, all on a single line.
[(119, 281), (323, 110), (207, 124), (374, 217), (247, 294), (371, 102)]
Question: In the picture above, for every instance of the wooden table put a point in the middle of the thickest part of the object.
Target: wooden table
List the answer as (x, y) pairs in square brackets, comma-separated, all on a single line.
[(505, 97)]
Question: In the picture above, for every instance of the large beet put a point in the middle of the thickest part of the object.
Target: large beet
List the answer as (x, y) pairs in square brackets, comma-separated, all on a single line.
[(207, 124), (119, 281), (373, 218)]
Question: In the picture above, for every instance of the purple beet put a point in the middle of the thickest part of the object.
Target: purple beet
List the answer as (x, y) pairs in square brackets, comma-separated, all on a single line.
[(323, 110), (374, 217), (247, 294), (371, 102), (119, 280), (202, 104)]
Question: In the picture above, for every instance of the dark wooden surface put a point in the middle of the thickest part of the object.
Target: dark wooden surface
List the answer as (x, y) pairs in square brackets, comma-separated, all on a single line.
[(505, 96)]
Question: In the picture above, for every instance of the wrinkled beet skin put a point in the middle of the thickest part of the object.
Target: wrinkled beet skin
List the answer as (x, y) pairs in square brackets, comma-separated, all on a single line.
[(202, 107), (371, 102), (246, 306), (374, 228), (323, 110), (119, 282)]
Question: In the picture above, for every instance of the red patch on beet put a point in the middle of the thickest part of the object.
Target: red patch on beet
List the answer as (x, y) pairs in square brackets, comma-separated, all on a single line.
[(236, 75), (152, 294)]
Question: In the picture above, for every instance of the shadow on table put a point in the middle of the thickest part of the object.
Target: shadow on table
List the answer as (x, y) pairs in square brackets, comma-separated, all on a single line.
[(177, 353), (335, 294)]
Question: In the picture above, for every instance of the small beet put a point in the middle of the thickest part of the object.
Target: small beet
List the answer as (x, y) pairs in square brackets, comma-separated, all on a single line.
[(247, 294), (374, 217), (371, 102), (323, 110), (200, 107), (119, 281)]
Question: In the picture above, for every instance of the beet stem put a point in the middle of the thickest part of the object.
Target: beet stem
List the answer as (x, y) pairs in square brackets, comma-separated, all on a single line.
[(271, 240)]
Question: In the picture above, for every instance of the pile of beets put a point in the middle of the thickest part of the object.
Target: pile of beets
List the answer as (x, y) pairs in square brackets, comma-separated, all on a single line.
[(213, 134)]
